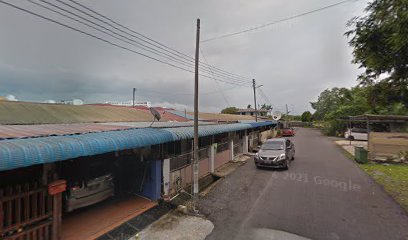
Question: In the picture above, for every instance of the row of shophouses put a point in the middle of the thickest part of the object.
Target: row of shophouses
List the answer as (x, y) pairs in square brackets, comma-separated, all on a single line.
[(50, 172)]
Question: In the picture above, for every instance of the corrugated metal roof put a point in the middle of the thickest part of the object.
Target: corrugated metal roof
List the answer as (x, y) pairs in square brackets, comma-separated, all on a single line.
[(181, 114), (169, 116), (17, 153), (166, 114), (157, 124), (41, 130), (40, 113), (188, 132), (261, 124)]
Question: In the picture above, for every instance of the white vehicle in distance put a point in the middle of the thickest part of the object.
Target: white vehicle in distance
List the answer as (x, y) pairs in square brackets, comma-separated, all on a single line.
[(356, 134)]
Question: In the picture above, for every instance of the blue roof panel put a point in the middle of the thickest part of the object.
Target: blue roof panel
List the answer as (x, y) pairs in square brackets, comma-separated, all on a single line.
[(17, 153), (188, 132), (261, 124)]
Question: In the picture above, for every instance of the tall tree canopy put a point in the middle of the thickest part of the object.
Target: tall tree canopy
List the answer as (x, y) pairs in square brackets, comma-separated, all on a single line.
[(380, 42), (306, 116)]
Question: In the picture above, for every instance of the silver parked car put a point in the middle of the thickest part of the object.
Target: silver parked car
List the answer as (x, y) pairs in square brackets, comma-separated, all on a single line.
[(89, 192), (275, 153)]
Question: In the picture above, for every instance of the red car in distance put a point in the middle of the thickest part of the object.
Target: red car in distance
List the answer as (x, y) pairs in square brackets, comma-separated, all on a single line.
[(288, 132)]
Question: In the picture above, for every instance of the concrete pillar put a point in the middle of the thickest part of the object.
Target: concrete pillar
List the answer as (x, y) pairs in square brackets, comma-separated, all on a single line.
[(245, 144), (166, 177), (231, 150), (211, 164)]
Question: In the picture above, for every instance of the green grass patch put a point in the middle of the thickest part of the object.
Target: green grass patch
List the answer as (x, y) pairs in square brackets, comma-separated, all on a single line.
[(394, 179)]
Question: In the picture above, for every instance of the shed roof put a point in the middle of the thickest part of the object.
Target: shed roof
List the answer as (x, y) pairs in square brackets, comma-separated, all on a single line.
[(377, 118), (17, 153)]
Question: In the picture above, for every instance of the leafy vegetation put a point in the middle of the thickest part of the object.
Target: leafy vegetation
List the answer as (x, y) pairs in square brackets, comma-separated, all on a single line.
[(306, 116), (229, 110), (380, 42), (266, 107), (380, 46)]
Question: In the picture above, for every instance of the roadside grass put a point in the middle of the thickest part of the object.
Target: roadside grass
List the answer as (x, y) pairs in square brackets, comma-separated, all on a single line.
[(394, 179)]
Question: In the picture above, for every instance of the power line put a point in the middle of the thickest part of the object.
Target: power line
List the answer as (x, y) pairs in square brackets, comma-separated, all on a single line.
[(277, 21), (261, 92), (152, 40), (106, 41), (118, 29), (181, 60), (124, 38), (217, 86), (183, 93)]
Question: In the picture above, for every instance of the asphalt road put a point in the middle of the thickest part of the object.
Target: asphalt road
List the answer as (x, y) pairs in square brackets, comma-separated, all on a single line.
[(324, 195)]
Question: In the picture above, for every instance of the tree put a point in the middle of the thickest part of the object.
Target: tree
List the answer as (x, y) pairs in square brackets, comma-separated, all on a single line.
[(230, 110), (306, 116), (340, 102), (380, 44), (266, 107), (249, 106), (328, 101)]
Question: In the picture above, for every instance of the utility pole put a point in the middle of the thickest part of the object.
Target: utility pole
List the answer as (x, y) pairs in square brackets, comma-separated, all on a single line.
[(287, 116), (134, 93), (195, 158), (256, 111)]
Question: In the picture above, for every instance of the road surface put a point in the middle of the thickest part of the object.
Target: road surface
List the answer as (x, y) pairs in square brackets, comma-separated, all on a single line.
[(324, 195)]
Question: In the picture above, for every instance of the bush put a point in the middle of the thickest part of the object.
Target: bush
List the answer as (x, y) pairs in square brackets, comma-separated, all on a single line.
[(334, 128)]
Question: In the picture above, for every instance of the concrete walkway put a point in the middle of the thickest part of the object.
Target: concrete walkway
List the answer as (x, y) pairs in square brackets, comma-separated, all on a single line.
[(175, 225)]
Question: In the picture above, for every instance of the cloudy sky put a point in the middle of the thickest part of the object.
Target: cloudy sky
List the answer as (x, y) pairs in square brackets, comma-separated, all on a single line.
[(294, 60)]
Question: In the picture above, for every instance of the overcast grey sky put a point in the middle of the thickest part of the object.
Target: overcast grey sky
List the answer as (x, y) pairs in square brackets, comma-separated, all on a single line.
[(294, 60)]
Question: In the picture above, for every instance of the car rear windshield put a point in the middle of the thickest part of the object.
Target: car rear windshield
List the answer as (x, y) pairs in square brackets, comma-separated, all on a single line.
[(277, 145)]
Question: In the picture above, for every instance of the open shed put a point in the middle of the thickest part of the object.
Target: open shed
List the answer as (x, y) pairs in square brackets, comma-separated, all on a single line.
[(387, 135)]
